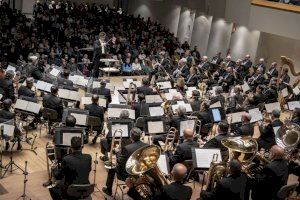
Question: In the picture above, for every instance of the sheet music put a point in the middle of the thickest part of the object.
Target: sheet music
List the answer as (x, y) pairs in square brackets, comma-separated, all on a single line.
[(55, 72), (123, 127), (21, 104), (66, 140), (293, 104), (44, 86), (216, 105), (86, 100), (8, 129), (192, 88), (73, 95), (236, 117), (163, 164), (33, 107), (96, 84), (155, 127), (245, 87), (12, 68), (173, 91), (186, 124), (153, 99), (216, 115), (164, 85), (204, 157), (284, 92), (156, 111), (256, 115), (115, 112), (102, 102), (129, 80), (188, 107), (79, 80), (296, 90), (69, 94), (80, 119), (272, 106)]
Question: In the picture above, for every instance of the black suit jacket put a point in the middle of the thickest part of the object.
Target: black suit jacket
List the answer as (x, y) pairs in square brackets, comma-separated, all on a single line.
[(245, 130), (103, 91), (204, 117), (267, 137), (191, 80), (146, 90), (247, 63), (216, 143), (5, 114), (63, 81), (8, 90), (270, 180), (55, 103), (98, 51), (76, 168), (270, 95), (195, 104), (184, 151), (25, 91), (276, 123), (141, 109), (175, 191), (184, 71), (95, 110)]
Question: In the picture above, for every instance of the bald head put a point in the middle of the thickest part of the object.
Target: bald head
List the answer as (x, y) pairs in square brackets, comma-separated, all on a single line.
[(188, 133), (276, 152), (179, 172)]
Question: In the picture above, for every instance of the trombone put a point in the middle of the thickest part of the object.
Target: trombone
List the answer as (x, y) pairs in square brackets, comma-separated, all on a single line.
[(109, 164), (170, 139)]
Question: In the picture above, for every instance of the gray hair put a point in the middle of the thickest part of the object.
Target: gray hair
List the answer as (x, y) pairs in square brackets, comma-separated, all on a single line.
[(181, 110), (124, 114)]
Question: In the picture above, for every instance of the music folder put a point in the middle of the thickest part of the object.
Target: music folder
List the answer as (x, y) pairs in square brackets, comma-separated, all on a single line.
[(153, 127), (64, 135), (55, 72), (293, 104), (163, 164), (272, 106), (156, 111), (88, 100), (216, 115), (216, 105), (256, 115), (202, 158), (8, 129), (164, 85), (236, 117), (120, 124), (115, 112), (43, 86), (69, 94), (27, 106), (79, 80), (187, 106), (80, 116), (153, 99), (186, 124)]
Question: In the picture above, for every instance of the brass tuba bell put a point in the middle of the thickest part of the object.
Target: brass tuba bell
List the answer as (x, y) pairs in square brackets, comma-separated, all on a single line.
[(288, 135)]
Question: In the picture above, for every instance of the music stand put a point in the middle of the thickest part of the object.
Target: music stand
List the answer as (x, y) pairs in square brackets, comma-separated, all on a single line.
[(110, 61), (93, 122), (124, 124), (157, 122), (25, 173)]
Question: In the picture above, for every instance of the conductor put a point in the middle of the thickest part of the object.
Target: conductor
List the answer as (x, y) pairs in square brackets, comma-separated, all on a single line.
[(99, 52)]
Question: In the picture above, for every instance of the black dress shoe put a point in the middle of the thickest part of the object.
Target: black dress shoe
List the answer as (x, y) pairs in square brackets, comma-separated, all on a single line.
[(107, 191)]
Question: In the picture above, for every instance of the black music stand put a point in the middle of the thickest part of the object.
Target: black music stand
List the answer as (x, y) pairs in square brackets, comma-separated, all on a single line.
[(25, 173), (50, 115), (154, 119), (129, 123)]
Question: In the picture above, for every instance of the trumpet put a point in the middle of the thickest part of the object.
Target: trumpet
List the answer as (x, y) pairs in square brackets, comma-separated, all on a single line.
[(109, 164)]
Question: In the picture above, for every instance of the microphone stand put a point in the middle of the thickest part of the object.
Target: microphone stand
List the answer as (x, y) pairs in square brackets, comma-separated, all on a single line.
[(24, 195), (95, 172)]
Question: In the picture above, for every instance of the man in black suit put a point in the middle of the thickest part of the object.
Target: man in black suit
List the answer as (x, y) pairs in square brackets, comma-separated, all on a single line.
[(96, 111), (145, 89), (195, 102), (233, 187), (267, 137), (258, 97), (102, 90), (184, 150), (192, 79), (284, 79), (7, 86), (204, 115), (204, 65), (216, 141), (63, 80), (99, 52), (27, 90), (271, 94), (52, 101), (273, 176), (75, 169), (122, 157), (272, 72), (276, 122), (217, 59), (176, 190), (246, 129), (228, 61), (227, 80), (246, 62), (141, 108), (261, 64), (257, 79)]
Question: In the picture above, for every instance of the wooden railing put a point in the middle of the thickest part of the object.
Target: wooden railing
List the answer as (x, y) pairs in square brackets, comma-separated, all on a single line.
[(276, 5)]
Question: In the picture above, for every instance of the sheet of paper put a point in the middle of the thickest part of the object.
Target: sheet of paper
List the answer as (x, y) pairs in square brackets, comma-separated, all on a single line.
[(129, 80), (21, 104), (102, 102), (66, 140), (153, 99), (55, 72), (86, 100), (236, 117), (12, 68), (8, 129), (155, 127), (122, 127), (96, 84), (192, 88), (164, 85), (204, 157), (81, 119), (293, 104), (216, 115), (216, 105), (73, 95), (188, 107), (256, 115), (186, 124), (156, 111), (48, 87), (272, 106), (181, 103), (40, 85), (285, 92), (296, 90), (173, 91), (245, 87), (163, 164), (115, 112), (63, 93), (33, 107)]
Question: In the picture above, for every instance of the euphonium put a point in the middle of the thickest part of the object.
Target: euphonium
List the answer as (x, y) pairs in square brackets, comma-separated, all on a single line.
[(143, 169), (288, 136)]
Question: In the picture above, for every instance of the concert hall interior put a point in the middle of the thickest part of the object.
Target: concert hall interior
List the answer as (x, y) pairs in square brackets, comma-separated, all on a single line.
[(150, 99)]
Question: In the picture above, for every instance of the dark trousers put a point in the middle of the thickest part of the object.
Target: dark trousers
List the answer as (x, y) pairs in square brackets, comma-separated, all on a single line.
[(110, 179)]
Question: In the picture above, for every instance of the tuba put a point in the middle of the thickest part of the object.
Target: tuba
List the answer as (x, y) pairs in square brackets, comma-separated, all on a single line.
[(144, 172), (288, 136)]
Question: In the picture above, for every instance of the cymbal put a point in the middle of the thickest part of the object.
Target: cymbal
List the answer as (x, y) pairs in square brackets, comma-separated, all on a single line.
[(108, 60)]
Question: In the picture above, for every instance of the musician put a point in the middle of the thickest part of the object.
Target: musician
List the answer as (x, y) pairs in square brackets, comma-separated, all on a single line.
[(236, 101), (183, 150), (176, 190), (267, 137), (239, 71), (215, 142), (296, 116), (182, 70), (52, 101), (6, 115), (204, 64), (284, 79), (204, 114), (141, 108), (217, 59), (145, 88), (275, 116), (260, 64), (192, 79), (75, 169), (122, 157), (270, 93), (258, 97), (99, 52), (195, 100), (180, 86), (96, 111), (218, 97), (273, 176), (246, 129), (228, 61), (246, 62), (7, 86), (227, 80), (27, 90), (257, 79), (272, 72), (233, 187), (38, 71), (103, 91), (64, 78)]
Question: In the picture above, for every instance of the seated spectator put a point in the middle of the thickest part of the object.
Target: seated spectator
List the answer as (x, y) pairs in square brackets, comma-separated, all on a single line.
[(127, 67), (136, 67)]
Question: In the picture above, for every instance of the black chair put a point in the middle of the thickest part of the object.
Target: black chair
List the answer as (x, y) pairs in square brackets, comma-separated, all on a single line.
[(82, 191), (31, 99), (94, 122), (50, 116), (140, 122), (205, 129), (286, 191)]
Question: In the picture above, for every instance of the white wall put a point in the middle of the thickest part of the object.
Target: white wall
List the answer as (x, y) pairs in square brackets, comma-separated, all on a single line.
[(185, 25), (238, 11)]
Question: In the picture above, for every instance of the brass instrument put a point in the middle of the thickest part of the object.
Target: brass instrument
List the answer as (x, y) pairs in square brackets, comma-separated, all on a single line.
[(288, 136), (109, 164), (166, 105), (169, 142), (131, 93), (144, 172), (51, 161)]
